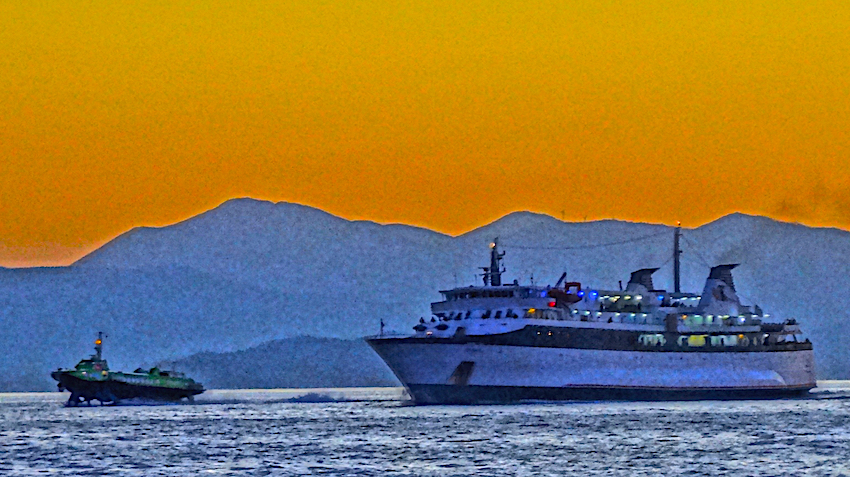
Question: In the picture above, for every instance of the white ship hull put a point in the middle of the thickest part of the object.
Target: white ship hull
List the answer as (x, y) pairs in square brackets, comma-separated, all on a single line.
[(474, 372), (506, 343)]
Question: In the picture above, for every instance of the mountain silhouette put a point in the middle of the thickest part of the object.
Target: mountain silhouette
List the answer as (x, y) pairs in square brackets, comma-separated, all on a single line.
[(249, 272)]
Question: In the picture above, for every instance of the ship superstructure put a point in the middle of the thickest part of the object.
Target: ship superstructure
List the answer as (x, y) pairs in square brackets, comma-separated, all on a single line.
[(510, 342)]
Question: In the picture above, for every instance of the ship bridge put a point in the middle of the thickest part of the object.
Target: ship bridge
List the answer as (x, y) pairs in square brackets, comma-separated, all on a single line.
[(512, 301)]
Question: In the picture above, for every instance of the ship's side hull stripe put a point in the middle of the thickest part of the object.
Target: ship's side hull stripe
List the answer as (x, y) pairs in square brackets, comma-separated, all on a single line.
[(447, 394), (587, 338)]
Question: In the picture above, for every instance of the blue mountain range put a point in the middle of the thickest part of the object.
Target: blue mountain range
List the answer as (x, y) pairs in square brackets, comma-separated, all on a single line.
[(249, 272)]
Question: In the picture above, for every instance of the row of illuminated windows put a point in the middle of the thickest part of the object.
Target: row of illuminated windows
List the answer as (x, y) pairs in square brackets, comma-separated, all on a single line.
[(544, 314), (703, 320), (702, 340), (495, 293)]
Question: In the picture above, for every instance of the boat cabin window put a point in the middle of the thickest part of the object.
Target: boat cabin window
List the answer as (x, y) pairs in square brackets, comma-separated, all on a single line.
[(498, 314)]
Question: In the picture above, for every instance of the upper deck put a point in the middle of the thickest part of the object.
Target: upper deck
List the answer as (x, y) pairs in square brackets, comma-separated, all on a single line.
[(652, 315)]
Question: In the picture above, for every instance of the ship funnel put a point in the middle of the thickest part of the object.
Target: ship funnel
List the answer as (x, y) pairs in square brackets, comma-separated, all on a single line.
[(641, 281), (724, 274), (719, 296)]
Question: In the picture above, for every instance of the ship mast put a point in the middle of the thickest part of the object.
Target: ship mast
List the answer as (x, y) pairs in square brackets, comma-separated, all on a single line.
[(676, 253), (98, 346), (493, 273)]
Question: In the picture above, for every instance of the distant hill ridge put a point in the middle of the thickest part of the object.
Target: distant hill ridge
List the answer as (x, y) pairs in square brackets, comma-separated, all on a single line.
[(290, 363), (251, 271)]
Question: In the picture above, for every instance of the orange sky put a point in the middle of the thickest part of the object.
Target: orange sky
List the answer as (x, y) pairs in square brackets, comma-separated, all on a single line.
[(441, 114)]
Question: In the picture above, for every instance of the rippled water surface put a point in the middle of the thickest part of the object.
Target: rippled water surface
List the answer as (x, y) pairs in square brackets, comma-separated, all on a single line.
[(375, 432)]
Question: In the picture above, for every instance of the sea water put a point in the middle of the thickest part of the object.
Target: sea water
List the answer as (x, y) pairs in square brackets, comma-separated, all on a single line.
[(377, 432)]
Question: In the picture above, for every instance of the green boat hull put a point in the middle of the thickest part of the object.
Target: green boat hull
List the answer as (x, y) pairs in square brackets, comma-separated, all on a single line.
[(91, 380), (113, 391)]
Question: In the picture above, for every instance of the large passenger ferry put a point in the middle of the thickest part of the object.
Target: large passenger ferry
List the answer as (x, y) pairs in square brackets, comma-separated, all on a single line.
[(510, 342)]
